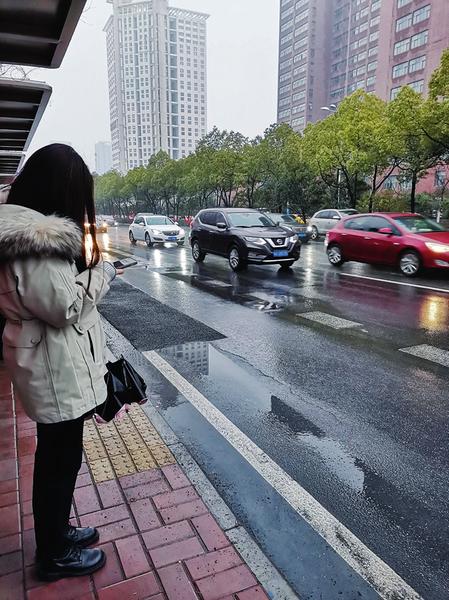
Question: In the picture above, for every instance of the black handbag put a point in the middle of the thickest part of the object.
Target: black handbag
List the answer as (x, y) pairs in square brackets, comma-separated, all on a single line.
[(125, 386)]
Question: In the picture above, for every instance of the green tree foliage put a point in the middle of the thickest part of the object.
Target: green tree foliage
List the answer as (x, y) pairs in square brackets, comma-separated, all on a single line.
[(355, 141), (418, 153), (342, 160)]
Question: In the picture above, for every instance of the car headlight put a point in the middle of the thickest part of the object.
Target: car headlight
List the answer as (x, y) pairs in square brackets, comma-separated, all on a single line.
[(310, 229), (255, 240), (156, 231), (438, 248), (293, 239), (181, 232)]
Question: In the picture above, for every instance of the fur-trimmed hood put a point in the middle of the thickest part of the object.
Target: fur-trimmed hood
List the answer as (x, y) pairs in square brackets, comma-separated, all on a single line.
[(27, 233)]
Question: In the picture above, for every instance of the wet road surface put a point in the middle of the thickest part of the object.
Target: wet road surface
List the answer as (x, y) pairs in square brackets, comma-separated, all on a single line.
[(312, 369)]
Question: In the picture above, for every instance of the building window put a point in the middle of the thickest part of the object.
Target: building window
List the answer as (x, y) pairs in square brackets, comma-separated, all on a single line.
[(283, 114), (404, 22), (372, 65), (286, 13), (420, 39), (400, 70), (418, 86), (421, 14), (287, 25), (417, 64), (402, 3), (402, 46), (298, 96), (298, 122)]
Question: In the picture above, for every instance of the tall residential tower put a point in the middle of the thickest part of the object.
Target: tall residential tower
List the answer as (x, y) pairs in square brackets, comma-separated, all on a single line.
[(330, 48), (157, 80)]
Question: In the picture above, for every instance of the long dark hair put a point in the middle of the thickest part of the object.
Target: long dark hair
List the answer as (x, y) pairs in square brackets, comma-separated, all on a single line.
[(56, 180)]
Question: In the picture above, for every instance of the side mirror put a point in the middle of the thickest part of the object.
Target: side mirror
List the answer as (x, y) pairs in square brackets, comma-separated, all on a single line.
[(386, 231), (222, 226), (176, 223)]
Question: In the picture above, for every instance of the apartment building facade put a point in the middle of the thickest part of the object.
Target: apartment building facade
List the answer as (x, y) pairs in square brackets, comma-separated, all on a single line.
[(157, 73), (375, 45)]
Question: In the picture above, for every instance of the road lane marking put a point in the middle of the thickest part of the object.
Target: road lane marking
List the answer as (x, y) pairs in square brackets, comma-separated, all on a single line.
[(388, 584), (403, 283), (329, 320), (436, 355)]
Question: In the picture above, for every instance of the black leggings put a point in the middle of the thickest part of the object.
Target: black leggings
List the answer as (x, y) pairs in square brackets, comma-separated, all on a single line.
[(58, 459)]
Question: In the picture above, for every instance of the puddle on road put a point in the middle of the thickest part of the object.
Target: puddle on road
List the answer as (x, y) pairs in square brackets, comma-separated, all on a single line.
[(233, 291), (253, 397)]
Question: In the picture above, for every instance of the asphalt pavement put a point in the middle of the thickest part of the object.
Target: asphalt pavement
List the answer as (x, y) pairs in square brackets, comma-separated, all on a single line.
[(338, 376)]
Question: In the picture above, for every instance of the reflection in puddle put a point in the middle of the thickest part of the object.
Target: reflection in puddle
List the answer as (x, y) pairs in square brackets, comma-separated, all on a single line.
[(434, 313), (348, 469), (195, 353), (253, 394)]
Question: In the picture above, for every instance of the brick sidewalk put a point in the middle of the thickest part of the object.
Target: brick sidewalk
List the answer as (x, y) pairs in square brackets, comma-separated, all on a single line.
[(160, 539)]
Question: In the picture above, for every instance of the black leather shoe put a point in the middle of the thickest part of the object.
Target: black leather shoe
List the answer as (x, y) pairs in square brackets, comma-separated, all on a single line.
[(75, 563), (82, 536)]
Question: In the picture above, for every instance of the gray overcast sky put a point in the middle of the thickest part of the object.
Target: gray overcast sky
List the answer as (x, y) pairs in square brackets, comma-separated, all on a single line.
[(242, 60)]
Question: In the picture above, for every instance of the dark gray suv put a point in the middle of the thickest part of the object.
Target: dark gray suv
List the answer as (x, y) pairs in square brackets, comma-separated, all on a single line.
[(243, 236)]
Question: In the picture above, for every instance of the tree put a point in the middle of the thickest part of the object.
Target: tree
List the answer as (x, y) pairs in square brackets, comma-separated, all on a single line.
[(408, 113), (356, 142)]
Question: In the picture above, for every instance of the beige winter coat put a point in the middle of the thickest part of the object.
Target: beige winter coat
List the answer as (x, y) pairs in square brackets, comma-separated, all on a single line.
[(53, 342)]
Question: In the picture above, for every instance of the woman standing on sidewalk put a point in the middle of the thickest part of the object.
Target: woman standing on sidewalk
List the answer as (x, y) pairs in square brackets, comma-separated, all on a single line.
[(53, 339)]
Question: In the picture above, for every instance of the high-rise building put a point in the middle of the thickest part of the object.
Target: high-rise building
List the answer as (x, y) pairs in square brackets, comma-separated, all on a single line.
[(157, 80), (330, 48), (103, 157), (304, 44)]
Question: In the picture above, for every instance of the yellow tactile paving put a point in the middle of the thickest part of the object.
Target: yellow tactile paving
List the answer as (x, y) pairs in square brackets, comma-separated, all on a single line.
[(102, 470), (123, 448)]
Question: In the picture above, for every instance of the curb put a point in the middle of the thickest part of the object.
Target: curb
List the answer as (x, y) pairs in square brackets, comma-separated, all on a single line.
[(270, 578)]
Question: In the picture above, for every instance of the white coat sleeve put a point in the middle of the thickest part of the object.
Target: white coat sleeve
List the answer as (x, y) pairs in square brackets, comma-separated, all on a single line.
[(50, 290)]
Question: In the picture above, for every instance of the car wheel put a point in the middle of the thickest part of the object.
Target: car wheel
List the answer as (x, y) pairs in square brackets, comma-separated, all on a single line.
[(197, 253), (335, 255), (236, 262), (287, 265), (132, 239), (148, 241), (410, 263), (315, 233)]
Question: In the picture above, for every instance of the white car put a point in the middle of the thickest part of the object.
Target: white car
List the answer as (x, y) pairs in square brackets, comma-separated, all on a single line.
[(155, 229), (325, 220)]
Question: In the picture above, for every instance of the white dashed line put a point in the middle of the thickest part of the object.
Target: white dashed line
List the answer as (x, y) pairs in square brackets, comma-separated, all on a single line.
[(436, 355), (329, 320), (388, 584), (403, 283)]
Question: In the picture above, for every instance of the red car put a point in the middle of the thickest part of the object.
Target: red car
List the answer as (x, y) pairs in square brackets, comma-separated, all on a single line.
[(410, 241)]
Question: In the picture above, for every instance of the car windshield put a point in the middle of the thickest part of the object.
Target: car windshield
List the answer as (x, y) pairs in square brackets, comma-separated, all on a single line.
[(249, 219), (159, 221), (349, 211), (418, 224), (283, 219)]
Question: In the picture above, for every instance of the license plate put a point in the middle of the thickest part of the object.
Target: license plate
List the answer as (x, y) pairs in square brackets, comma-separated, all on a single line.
[(280, 253), (172, 238)]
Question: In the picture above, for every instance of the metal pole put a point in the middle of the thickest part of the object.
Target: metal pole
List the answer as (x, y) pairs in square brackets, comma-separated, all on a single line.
[(338, 187)]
